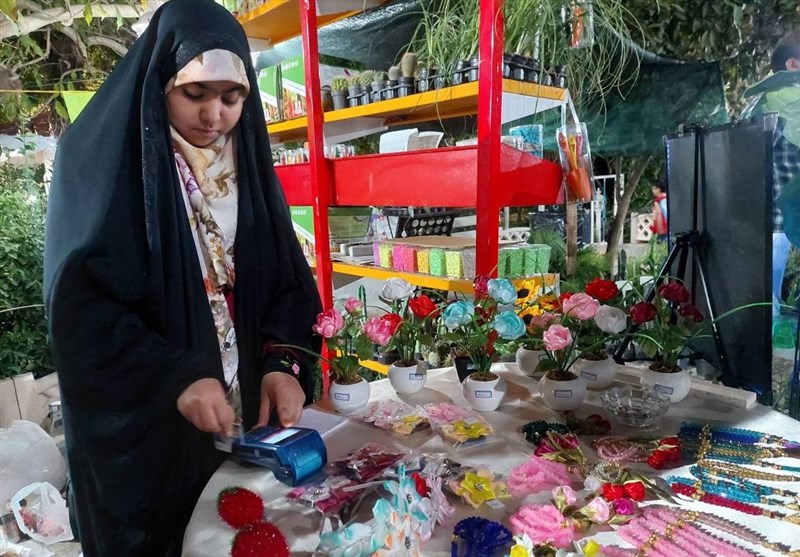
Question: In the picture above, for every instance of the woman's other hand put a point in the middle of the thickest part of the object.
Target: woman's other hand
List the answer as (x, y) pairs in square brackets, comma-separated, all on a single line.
[(205, 405), (283, 392)]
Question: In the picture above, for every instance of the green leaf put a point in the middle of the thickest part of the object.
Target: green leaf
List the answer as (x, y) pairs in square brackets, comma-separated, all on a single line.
[(61, 110), (546, 364), (87, 12), (9, 8), (27, 42)]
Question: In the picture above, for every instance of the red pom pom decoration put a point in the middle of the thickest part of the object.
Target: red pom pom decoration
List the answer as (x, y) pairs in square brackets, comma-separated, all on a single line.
[(261, 539), (239, 507)]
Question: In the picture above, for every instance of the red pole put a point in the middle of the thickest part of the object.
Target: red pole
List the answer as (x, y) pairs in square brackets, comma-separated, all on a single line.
[(320, 177), (490, 96)]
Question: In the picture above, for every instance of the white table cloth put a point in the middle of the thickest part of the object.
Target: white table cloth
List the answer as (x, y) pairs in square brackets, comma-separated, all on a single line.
[(208, 536)]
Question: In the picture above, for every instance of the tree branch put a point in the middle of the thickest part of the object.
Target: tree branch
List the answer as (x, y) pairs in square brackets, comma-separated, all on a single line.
[(41, 58), (29, 23), (107, 42), (637, 169), (73, 35)]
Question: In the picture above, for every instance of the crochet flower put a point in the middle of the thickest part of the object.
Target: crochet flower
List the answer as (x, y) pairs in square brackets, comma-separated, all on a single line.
[(329, 323), (508, 325), (635, 490), (353, 305), (442, 508), (477, 488), (458, 314), (502, 291), (395, 289), (612, 492), (602, 290), (557, 337), (581, 306), (378, 330)]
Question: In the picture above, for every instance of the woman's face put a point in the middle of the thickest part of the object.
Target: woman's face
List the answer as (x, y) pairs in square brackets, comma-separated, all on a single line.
[(205, 110)]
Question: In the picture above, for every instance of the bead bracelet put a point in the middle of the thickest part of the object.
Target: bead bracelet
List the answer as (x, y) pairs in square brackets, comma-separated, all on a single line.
[(478, 537), (536, 432), (617, 449)]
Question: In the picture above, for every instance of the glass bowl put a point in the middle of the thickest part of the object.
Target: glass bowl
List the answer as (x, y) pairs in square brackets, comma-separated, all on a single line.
[(637, 407)]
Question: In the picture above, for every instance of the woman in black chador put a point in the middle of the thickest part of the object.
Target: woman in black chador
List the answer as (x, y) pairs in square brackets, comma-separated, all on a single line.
[(170, 268)]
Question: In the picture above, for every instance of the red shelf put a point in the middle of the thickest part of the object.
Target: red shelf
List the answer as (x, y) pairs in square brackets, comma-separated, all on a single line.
[(296, 182)]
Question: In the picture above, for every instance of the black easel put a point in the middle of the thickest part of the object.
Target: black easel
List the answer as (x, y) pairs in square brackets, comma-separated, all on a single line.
[(686, 242)]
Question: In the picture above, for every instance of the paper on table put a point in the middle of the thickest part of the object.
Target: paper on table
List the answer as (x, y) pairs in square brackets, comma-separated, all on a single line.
[(324, 422)]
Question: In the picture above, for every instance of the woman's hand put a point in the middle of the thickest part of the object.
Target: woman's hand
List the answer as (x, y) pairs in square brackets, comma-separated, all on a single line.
[(205, 405), (281, 391)]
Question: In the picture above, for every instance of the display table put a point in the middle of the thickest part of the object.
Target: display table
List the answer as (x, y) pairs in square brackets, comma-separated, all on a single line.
[(208, 536)]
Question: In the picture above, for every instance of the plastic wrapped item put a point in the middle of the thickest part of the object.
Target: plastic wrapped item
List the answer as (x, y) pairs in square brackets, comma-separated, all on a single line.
[(42, 513), (393, 415), (367, 462), (27, 455), (576, 160), (8, 549), (479, 486), (462, 427)]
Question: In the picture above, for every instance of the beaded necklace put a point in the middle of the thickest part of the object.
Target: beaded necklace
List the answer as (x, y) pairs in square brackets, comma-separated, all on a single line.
[(734, 481), (721, 468), (699, 494), (731, 491), (701, 448), (736, 435)]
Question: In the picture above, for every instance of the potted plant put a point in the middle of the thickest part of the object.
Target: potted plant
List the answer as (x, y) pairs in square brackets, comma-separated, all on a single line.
[(366, 86), (378, 84), (423, 79), (408, 68), (391, 85), (665, 329), (536, 311), (477, 326), (402, 329), (339, 92), (560, 387), (354, 90)]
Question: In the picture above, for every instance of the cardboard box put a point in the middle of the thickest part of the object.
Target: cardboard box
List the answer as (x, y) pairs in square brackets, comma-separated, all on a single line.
[(346, 224), (293, 84), (269, 80)]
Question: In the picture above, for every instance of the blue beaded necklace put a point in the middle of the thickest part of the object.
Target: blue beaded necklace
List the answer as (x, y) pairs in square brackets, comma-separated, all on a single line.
[(744, 486), (729, 491)]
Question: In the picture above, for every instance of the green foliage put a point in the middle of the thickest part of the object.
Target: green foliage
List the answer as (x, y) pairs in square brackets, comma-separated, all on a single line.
[(23, 338), (339, 84), (590, 263)]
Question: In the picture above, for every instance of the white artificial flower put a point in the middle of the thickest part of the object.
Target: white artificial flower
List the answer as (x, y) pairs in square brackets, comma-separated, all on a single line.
[(593, 484), (395, 289), (611, 320)]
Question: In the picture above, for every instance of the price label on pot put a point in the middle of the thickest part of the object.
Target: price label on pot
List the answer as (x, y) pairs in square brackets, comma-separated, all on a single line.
[(416, 377), (562, 393), (589, 376), (342, 396), (663, 389), (483, 394)]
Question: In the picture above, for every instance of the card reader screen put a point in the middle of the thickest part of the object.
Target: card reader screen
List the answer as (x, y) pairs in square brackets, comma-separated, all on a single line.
[(279, 436)]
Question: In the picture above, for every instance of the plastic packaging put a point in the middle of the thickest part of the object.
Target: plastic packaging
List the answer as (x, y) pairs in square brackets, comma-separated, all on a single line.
[(393, 415), (461, 427), (576, 160), (42, 513), (27, 455)]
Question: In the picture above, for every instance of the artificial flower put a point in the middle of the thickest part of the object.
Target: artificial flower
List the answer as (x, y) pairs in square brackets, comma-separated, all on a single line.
[(508, 325), (329, 323), (419, 484), (557, 337), (481, 286), (643, 312), (378, 330), (657, 459), (442, 508), (624, 506), (548, 302), (593, 484), (393, 321), (674, 292), (542, 320), (502, 291), (458, 314), (396, 289), (602, 290), (402, 539), (523, 547), (597, 511), (544, 524), (580, 306), (634, 489), (611, 320), (355, 540), (422, 306), (612, 492), (474, 430), (564, 496), (477, 488), (353, 305), (692, 312), (564, 297)]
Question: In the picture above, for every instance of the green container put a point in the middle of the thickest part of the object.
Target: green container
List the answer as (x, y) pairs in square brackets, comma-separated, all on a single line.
[(453, 264), (437, 262)]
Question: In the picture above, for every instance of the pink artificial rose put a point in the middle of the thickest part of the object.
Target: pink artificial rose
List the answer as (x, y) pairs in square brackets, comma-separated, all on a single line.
[(557, 337), (541, 322), (564, 496), (581, 306), (625, 506), (353, 305), (378, 331), (597, 511), (329, 323)]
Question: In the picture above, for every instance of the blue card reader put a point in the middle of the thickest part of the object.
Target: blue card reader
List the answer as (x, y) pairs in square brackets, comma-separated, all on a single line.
[(294, 454)]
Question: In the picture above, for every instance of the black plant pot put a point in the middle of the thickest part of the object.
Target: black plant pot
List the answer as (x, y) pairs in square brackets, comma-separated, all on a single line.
[(439, 82), (507, 65), (422, 80), (464, 367), (472, 72), (560, 77), (377, 87), (535, 74), (339, 100), (518, 67)]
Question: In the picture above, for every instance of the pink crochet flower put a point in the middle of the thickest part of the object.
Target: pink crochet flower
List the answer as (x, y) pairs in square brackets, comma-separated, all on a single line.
[(329, 323), (543, 524), (353, 305), (557, 337), (378, 331), (581, 306)]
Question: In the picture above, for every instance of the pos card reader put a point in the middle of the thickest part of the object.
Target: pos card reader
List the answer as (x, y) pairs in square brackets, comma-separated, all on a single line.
[(294, 454)]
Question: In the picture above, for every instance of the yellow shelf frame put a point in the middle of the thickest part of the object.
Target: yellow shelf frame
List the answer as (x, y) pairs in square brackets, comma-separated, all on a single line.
[(377, 367), (279, 20), (448, 102), (424, 281)]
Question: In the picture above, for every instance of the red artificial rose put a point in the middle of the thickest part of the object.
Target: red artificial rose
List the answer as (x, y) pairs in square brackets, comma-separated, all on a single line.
[(634, 490), (612, 492), (481, 286), (422, 306), (393, 320), (642, 312), (657, 459), (602, 290), (672, 441), (420, 485), (484, 315), (692, 312), (490, 342), (674, 292)]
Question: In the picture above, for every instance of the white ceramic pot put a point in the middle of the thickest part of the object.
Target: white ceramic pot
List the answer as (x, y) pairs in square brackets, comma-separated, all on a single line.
[(407, 380), (563, 395), (349, 398), (484, 396), (598, 374), (674, 385), (527, 360)]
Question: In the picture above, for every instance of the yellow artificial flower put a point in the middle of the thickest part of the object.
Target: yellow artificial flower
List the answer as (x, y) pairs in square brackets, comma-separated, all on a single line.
[(477, 489), (473, 430), (548, 302), (529, 289)]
